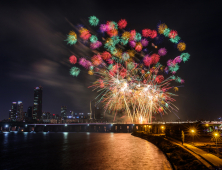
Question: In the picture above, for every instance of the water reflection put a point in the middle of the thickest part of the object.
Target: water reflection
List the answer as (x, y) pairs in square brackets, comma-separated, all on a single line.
[(25, 135), (65, 137), (44, 133), (5, 134), (80, 151)]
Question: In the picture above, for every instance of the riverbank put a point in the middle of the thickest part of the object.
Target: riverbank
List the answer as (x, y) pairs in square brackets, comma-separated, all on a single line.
[(177, 156), (205, 142)]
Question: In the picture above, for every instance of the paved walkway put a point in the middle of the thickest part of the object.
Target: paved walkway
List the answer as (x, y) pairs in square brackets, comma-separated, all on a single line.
[(205, 157)]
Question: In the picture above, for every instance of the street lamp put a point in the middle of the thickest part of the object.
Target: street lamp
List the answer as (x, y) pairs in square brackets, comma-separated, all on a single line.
[(216, 136), (193, 131), (162, 128), (149, 129)]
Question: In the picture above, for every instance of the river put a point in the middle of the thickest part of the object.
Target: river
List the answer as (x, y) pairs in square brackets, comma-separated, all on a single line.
[(79, 151)]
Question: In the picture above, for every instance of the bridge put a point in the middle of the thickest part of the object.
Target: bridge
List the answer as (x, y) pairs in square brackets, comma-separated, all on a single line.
[(127, 127)]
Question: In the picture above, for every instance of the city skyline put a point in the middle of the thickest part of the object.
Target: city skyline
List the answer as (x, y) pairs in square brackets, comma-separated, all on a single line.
[(42, 29), (18, 112)]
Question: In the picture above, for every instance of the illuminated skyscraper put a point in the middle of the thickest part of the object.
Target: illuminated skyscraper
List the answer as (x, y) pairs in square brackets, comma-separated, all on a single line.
[(30, 112), (63, 111), (20, 113), (46, 115), (71, 113), (37, 108), (13, 111)]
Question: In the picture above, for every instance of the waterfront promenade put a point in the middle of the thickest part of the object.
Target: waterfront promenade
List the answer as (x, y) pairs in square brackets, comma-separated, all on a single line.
[(209, 160)]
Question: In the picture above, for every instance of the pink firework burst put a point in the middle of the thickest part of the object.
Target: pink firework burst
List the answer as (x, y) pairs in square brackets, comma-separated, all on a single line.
[(154, 34), (144, 42), (132, 44), (110, 61), (98, 44), (103, 28), (83, 62), (95, 45), (177, 59), (146, 32), (89, 64), (110, 25), (155, 58), (132, 35), (162, 51), (72, 59), (173, 34), (147, 60), (122, 23), (170, 63)]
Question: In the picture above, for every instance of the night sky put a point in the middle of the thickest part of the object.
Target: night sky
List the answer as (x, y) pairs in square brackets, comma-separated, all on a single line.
[(33, 51)]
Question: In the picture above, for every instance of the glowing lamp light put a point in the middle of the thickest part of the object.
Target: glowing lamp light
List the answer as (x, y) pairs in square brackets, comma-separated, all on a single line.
[(6, 126), (65, 124)]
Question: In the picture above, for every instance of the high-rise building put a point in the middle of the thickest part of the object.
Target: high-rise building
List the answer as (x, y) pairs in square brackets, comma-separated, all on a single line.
[(25, 115), (71, 113), (9, 114), (30, 112), (37, 107), (13, 111), (98, 113), (20, 113), (46, 115), (63, 111)]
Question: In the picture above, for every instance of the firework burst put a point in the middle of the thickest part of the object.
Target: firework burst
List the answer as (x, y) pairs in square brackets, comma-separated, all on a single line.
[(131, 79)]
